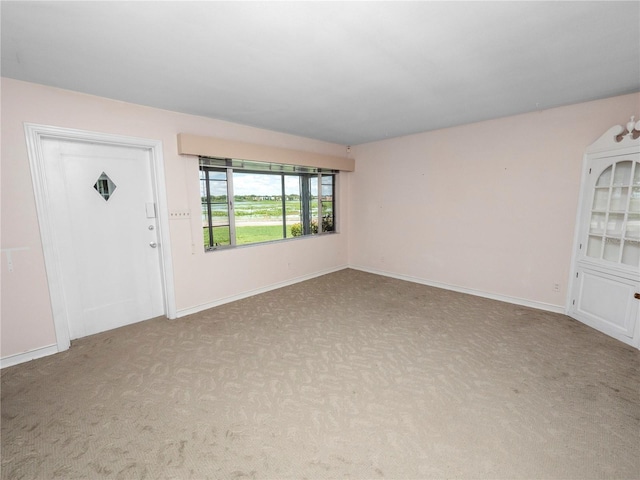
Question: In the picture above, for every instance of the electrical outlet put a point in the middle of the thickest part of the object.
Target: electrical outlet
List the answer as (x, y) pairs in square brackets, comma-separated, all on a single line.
[(556, 287)]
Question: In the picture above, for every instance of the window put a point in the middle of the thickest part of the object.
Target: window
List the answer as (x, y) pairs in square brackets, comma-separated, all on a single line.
[(104, 186), (250, 202)]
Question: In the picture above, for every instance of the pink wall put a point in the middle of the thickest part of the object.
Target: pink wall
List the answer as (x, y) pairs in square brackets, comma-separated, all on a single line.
[(488, 207), (200, 278)]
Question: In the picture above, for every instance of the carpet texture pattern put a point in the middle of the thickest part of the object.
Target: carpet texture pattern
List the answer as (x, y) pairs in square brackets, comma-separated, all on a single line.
[(349, 375)]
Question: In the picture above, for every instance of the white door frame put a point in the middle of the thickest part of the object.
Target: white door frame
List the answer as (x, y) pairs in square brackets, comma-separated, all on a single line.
[(35, 134)]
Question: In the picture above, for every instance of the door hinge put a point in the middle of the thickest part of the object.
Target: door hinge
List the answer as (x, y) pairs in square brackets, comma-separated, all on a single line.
[(573, 303), (576, 274), (580, 247), (589, 171)]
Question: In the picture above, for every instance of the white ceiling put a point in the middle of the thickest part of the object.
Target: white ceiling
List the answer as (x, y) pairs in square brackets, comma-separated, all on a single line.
[(345, 72)]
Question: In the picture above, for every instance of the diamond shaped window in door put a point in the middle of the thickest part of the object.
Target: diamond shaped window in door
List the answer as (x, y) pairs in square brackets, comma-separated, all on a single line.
[(104, 186)]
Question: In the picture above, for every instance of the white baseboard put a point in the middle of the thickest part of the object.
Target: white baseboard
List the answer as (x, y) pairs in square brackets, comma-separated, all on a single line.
[(478, 293), (26, 356), (198, 308)]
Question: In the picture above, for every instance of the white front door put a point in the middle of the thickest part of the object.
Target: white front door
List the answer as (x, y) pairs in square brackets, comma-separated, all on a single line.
[(606, 284), (105, 233)]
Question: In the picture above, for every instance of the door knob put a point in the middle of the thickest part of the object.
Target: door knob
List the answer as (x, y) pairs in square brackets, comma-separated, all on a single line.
[(636, 296), (153, 244)]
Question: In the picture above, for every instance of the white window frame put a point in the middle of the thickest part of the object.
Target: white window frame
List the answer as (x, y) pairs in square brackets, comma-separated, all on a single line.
[(229, 166)]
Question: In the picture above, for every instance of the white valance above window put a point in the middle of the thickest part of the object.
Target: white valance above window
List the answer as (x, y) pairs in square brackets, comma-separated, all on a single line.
[(219, 148)]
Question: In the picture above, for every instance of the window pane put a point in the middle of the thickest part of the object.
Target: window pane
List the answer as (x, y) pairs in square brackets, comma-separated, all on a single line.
[(605, 178), (258, 232), (622, 173), (313, 202), (217, 175), (327, 203), (619, 199), (594, 248), (615, 223), (206, 238), (221, 236), (218, 191), (258, 207), (293, 214), (611, 249), (205, 215), (313, 185), (631, 253), (633, 226), (634, 204), (203, 188), (600, 199), (219, 214)]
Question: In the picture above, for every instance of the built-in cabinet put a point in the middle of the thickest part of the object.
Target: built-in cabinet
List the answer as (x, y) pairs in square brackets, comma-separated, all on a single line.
[(605, 289)]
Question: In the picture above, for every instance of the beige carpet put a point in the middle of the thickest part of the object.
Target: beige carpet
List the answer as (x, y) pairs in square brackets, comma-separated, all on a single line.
[(349, 375)]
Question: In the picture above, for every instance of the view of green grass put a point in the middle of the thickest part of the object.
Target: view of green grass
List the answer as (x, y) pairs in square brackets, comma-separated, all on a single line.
[(255, 211), (247, 234), (260, 233)]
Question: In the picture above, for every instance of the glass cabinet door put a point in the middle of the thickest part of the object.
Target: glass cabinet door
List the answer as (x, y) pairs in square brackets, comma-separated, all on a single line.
[(614, 228)]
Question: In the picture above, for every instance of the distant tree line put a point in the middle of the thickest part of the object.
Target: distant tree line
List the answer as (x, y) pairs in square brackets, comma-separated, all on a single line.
[(252, 198)]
